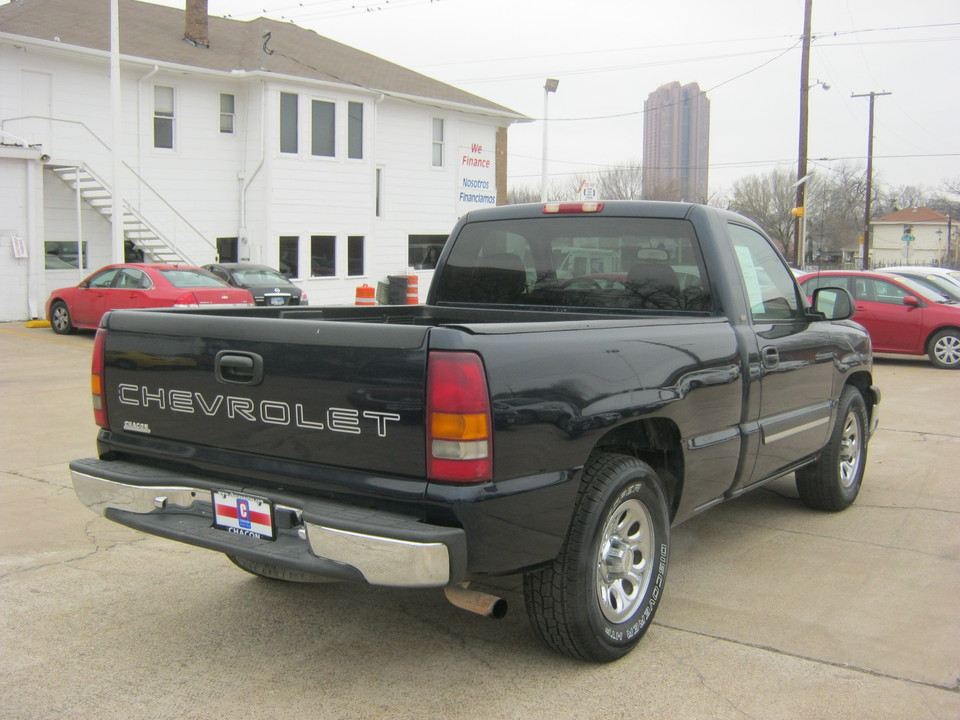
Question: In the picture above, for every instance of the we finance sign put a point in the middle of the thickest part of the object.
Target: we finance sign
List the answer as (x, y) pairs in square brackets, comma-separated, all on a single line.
[(478, 178)]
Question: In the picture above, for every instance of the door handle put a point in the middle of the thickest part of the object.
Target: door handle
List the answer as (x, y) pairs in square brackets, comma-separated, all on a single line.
[(770, 356), (238, 368)]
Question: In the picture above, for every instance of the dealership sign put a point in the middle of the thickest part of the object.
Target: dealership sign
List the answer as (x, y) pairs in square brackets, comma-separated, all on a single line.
[(477, 184)]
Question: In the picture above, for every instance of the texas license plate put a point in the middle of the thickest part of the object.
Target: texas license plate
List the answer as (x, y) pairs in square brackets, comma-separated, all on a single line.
[(277, 300), (243, 514)]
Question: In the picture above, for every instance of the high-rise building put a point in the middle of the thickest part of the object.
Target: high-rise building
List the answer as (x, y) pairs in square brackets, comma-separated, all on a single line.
[(676, 143)]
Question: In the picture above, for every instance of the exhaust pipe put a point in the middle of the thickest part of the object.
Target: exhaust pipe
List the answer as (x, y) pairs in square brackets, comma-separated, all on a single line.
[(476, 602)]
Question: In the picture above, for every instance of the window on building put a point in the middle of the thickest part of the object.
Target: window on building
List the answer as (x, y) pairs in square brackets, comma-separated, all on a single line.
[(63, 255), (323, 256), (289, 256), (355, 255), (438, 142), (163, 115), (227, 113), (379, 193), (289, 122), (355, 130), (423, 250), (323, 129)]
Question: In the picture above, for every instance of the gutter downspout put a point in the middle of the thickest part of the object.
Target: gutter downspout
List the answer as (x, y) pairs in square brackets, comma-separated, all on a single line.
[(246, 180)]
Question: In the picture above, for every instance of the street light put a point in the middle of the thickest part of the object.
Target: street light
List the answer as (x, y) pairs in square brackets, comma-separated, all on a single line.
[(549, 87)]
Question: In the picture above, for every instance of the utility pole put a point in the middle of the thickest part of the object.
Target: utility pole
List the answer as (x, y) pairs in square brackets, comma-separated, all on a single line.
[(865, 262), (798, 225)]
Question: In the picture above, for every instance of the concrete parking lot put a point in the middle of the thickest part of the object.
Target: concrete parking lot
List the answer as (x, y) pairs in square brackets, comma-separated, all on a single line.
[(771, 610)]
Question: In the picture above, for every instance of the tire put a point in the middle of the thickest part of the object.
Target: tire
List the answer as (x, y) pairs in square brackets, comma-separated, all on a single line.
[(598, 597), (275, 572), (60, 320), (833, 482), (945, 350)]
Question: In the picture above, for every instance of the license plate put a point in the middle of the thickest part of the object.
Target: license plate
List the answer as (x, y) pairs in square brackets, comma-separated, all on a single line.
[(243, 514), (278, 301)]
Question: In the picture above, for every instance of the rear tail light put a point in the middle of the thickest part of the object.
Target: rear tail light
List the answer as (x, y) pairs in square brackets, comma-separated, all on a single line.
[(97, 388), (188, 299), (459, 438)]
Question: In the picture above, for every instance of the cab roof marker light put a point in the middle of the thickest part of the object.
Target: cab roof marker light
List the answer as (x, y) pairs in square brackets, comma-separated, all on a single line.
[(572, 208)]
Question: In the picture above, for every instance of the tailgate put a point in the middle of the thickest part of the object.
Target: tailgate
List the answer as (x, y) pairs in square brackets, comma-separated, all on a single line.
[(336, 393)]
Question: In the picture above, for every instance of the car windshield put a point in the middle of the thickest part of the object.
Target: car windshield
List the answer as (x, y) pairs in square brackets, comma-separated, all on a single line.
[(259, 276), (186, 278)]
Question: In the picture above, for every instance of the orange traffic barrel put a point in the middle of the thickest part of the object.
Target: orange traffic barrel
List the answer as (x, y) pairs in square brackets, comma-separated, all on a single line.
[(366, 295), (413, 290)]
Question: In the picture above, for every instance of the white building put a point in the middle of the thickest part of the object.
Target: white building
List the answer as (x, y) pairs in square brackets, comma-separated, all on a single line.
[(257, 141), (913, 236)]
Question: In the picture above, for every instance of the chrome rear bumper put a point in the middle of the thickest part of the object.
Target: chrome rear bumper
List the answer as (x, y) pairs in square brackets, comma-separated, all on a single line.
[(317, 537)]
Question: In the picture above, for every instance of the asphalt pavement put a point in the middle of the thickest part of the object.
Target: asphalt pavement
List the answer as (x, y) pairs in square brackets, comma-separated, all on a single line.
[(770, 611)]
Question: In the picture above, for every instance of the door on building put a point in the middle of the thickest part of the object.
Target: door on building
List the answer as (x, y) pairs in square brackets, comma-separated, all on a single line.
[(227, 250)]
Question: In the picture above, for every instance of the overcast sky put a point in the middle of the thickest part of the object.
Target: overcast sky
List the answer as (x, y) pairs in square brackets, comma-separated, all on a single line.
[(610, 54)]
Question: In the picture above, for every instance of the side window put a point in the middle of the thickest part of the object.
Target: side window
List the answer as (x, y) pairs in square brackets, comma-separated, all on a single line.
[(437, 142), (227, 113), (163, 115), (323, 128), (289, 122), (131, 278), (290, 256), (323, 255), (104, 279), (889, 293), (355, 254), (355, 130), (771, 291)]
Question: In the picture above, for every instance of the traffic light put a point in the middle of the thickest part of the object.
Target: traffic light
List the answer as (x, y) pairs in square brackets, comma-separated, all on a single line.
[(797, 212)]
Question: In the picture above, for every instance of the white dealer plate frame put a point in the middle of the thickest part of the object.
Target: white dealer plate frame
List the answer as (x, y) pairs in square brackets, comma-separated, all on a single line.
[(243, 514)]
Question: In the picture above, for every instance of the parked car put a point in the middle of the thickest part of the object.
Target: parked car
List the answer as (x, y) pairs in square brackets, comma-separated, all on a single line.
[(269, 286), (901, 315), (933, 283), (137, 285), (927, 270)]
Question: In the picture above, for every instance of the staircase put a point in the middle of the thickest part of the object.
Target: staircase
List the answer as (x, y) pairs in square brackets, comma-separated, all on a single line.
[(136, 229)]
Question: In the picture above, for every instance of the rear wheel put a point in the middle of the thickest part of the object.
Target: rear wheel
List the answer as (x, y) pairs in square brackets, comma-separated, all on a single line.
[(598, 597), (833, 482), (945, 350), (60, 320), (276, 572)]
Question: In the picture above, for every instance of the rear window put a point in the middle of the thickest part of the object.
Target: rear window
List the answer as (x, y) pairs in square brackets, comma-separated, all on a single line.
[(186, 278), (260, 277), (584, 262)]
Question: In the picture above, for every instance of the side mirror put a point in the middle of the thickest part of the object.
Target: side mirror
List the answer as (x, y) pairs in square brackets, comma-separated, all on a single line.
[(833, 303), (911, 301)]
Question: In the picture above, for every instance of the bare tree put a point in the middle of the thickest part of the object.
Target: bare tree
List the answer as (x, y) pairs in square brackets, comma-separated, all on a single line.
[(767, 200), (523, 194), (621, 182)]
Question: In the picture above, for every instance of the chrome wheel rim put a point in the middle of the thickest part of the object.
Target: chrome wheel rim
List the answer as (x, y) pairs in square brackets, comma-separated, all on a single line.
[(947, 350), (61, 318), (851, 449), (624, 561)]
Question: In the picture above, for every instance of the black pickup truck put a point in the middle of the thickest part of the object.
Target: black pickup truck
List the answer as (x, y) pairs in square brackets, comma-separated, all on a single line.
[(581, 377)]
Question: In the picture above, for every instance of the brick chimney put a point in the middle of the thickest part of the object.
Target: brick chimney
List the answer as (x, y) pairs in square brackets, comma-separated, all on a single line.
[(195, 31)]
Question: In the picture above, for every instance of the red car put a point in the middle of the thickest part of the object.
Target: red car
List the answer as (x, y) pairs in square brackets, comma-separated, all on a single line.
[(135, 285), (901, 315)]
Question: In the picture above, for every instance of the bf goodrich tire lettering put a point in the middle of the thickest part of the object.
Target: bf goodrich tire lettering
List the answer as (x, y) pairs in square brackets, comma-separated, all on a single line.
[(598, 597)]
